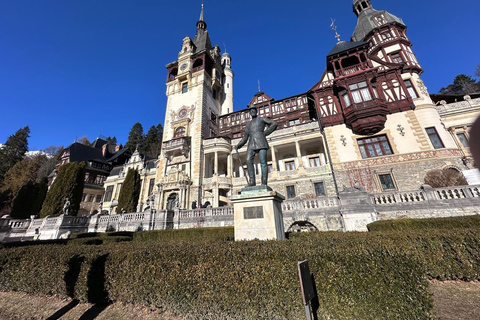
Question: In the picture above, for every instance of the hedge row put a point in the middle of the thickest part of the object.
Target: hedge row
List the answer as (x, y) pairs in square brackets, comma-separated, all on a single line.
[(422, 224), (221, 234), (381, 275)]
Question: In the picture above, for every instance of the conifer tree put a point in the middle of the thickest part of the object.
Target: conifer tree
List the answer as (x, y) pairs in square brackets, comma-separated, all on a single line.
[(68, 184), (135, 137), (130, 192), (153, 142), (14, 150)]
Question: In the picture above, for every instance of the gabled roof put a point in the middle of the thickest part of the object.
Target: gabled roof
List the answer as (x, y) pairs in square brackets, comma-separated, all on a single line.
[(344, 46), (260, 97)]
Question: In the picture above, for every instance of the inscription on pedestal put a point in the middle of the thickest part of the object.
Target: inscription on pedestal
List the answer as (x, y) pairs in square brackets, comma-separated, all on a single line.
[(253, 213)]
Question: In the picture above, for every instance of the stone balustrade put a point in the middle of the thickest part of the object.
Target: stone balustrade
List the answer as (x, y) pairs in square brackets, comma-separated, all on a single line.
[(354, 207), (309, 204)]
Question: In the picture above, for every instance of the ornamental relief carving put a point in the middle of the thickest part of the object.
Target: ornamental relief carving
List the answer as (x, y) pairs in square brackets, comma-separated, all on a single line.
[(421, 87)]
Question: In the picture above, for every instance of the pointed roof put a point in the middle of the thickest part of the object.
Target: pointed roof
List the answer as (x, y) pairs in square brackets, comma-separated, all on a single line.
[(366, 22), (260, 97), (201, 39), (343, 46)]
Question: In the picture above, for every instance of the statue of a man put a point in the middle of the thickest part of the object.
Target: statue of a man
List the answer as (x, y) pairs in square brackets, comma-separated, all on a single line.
[(255, 134)]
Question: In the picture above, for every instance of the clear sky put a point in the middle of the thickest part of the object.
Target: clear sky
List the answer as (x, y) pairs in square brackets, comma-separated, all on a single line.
[(71, 68)]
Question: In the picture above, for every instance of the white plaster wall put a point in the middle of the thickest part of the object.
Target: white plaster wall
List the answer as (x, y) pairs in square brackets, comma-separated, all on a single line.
[(428, 117), (348, 152), (404, 144)]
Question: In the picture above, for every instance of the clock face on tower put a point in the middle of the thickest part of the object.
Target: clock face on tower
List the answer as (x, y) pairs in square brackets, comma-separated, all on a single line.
[(183, 66), (182, 113)]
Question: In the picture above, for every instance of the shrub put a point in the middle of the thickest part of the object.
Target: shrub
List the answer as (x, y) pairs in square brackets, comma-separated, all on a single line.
[(445, 178), (68, 184), (378, 275), (421, 224), (130, 192), (222, 234)]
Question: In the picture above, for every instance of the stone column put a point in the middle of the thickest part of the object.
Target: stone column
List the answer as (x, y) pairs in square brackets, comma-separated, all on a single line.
[(215, 164), (229, 165), (274, 159), (299, 154), (215, 190)]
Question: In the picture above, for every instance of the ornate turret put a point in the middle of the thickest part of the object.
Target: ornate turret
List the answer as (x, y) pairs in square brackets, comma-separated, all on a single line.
[(370, 19)]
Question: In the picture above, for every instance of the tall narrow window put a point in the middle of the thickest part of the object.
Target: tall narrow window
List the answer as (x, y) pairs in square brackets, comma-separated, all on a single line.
[(463, 139), (184, 87), (151, 185), (360, 92), (386, 181), (291, 192), (411, 89), (319, 188), (289, 165), (346, 98), (108, 194), (374, 147), (314, 162), (434, 138)]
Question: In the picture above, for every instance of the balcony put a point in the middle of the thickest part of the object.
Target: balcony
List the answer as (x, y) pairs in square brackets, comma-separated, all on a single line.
[(345, 71), (366, 117), (177, 146)]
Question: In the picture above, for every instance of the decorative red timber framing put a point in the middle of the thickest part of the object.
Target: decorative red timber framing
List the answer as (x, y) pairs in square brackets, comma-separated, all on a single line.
[(287, 112), (384, 86)]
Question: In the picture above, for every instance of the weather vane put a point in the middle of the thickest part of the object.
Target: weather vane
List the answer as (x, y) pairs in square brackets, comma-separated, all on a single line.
[(259, 86), (334, 27)]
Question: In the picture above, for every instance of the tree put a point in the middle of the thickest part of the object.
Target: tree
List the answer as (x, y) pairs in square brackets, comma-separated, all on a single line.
[(462, 84), (47, 167), (68, 184), (111, 141), (135, 137), (14, 150), (84, 140), (29, 199), (441, 178), (153, 142), (22, 191), (130, 192), (477, 70)]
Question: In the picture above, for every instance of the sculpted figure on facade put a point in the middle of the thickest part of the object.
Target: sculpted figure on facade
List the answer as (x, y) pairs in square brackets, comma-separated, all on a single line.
[(256, 134)]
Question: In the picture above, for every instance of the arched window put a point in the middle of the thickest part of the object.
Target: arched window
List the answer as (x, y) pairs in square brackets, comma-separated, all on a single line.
[(180, 132), (173, 73), (198, 63)]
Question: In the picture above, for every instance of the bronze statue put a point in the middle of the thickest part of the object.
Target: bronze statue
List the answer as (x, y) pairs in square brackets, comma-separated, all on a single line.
[(255, 134)]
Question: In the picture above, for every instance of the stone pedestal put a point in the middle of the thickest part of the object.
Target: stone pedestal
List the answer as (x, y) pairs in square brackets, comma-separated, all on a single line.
[(258, 214)]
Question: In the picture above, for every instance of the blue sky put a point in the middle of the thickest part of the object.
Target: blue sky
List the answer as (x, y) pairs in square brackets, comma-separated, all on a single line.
[(72, 68)]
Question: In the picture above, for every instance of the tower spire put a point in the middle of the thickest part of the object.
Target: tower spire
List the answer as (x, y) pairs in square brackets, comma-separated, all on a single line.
[(201, 24)]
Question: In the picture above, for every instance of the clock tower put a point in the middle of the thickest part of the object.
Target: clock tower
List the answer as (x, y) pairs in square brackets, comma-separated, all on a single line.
[(199, 89)]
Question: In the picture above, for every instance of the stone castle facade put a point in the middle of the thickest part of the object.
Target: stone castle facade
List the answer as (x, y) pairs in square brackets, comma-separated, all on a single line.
[(369, 122)]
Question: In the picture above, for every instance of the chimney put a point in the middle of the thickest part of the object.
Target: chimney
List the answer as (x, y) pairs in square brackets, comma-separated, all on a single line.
[(104, 150)]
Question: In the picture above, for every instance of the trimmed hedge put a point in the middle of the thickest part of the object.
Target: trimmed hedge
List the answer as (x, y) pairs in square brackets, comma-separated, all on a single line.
[(422, 224), (381, 275), (221, 234)]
